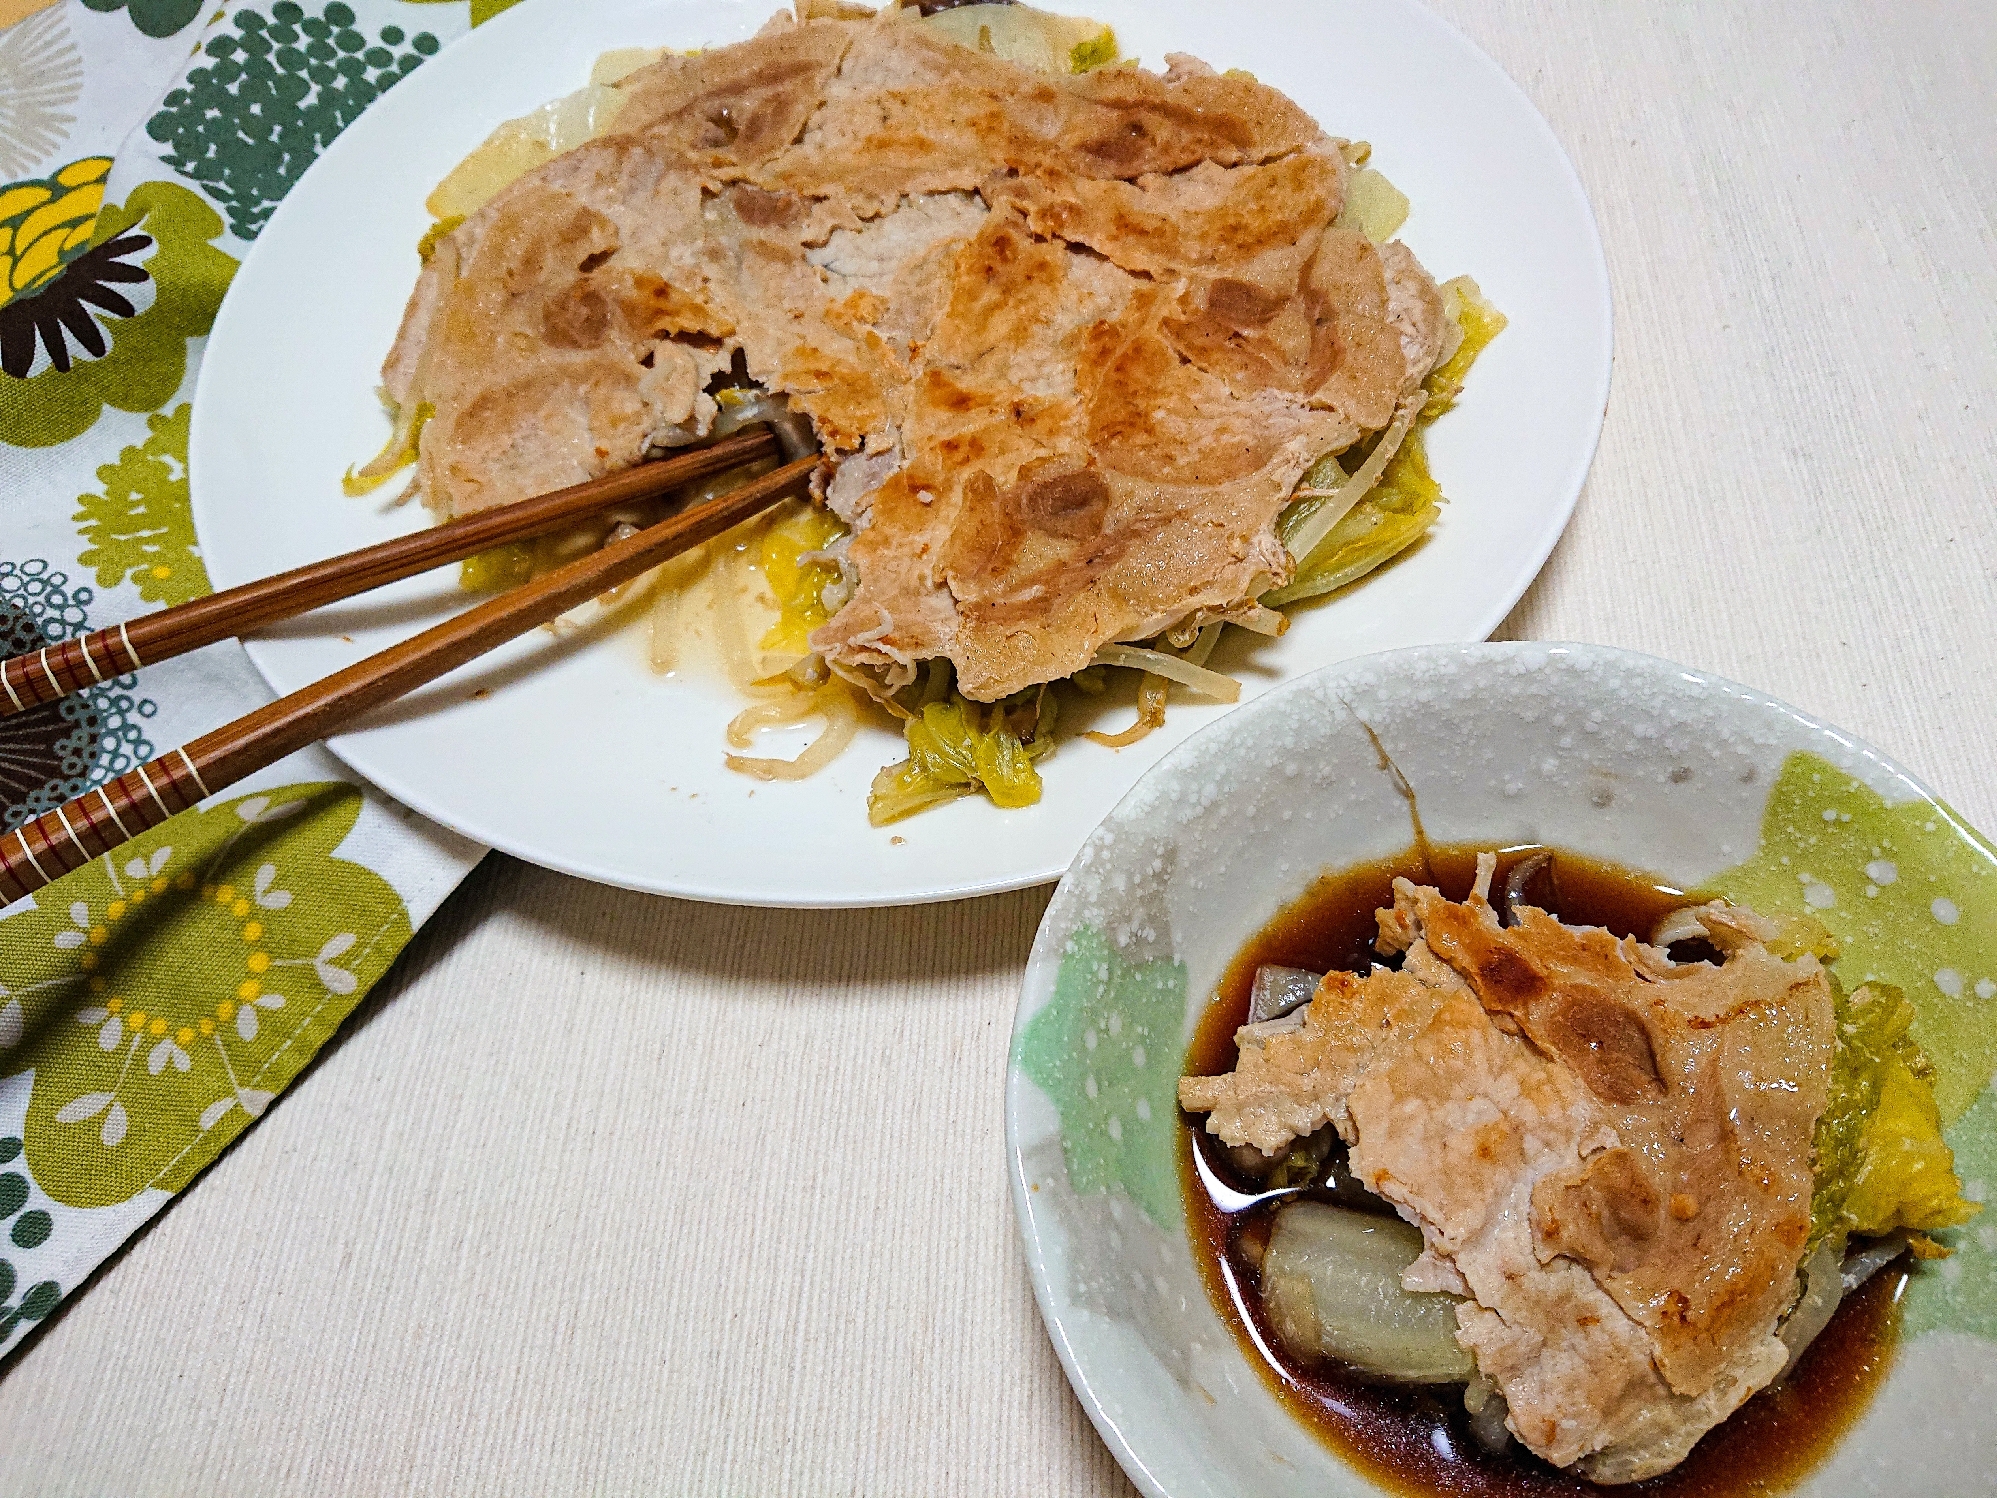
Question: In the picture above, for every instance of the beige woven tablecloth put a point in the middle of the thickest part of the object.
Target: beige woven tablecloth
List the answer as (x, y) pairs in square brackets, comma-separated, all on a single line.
[(499, 1240)]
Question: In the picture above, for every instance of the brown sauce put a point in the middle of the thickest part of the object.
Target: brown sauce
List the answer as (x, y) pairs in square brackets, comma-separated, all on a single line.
[(1417, 1441)]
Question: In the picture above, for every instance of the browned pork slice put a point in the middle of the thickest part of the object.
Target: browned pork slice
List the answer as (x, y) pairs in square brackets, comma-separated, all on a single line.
[(1071, 340), (1608, 1154)]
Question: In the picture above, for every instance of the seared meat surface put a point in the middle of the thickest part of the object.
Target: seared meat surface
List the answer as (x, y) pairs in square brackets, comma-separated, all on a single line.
[(1071, 339), (1608, 1154)]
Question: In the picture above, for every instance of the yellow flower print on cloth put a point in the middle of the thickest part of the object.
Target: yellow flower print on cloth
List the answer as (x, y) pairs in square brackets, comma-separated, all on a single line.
[(166, 993), (98, 302), (141, 528), (45, 225)]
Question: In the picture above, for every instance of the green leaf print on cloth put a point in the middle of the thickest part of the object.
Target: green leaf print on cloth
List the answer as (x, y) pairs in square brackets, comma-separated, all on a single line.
[(154, 1002), (276, 93), (153, 17), (164, 994), (141, 528), (1106, 1051), (29, 1229), (485, 10), (146, 357)]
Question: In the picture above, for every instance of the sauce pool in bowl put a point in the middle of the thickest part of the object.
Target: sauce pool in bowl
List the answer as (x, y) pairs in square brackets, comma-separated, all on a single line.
[(1416, 1440)]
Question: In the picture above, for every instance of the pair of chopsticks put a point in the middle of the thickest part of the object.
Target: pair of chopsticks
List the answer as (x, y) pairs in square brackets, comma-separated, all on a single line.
[(44, 849)]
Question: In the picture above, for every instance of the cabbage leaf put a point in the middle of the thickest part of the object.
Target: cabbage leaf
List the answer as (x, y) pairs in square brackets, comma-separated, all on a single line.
[(1881, 1162), (1396, 514), (1400, 508), (958, 746), (798, 586)]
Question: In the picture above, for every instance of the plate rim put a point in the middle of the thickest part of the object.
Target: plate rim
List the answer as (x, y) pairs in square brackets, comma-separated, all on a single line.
[(1597, 295)]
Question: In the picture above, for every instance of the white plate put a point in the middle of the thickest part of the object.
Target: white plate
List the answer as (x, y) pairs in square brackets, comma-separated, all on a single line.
[(1618, 756), (578, 758)]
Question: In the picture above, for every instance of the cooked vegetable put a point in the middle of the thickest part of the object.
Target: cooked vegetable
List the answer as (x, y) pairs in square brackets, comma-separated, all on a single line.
[(520, 145), (1151, 692), (1150, 714), (1331, 1283), (1830, 1274), (1797, 934), (798, 584), (1485, 1403), (1339, 529), (1374, 206), (620, 63), (1822, 1280), (959, 746), (398, 452), (1395, 515), (427, 245), (1303, 1164), (1278, 990), (1465, 305), (832, 702), (1789, 936), (1303, 527), (1881, 1162), (1861, 1264), (1343, 523), (496, 570), (1172, 668), (1033, 38)]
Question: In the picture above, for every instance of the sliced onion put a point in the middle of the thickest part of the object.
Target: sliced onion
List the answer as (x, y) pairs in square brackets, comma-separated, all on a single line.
[(1862, 1264), (1823, 1287), (1682, 924), (1172, 668), (1488, 1411), (830, 702), (1150, 715), (1828, 1276), (1341, 500), (1517, 882)]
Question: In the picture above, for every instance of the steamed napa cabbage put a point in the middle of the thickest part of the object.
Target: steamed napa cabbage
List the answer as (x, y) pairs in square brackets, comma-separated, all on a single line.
[(520, 145), (1400, 508), (1374, 206), (398, 453), (798, 586), (1033, 38), (1881, 1161), (1395, 514), (498, 569), (1331, 1283), (1465, 305), (959, 746)]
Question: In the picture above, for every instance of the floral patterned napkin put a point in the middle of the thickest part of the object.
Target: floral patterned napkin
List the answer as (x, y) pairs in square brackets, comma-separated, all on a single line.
[(154, 1003)]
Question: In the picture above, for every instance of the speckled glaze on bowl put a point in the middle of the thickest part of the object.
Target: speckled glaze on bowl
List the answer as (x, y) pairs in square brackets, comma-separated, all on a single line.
[(1611, 754)]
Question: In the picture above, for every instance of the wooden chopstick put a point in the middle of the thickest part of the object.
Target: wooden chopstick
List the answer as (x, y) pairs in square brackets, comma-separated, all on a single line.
[(27, 681), (65, 839)]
